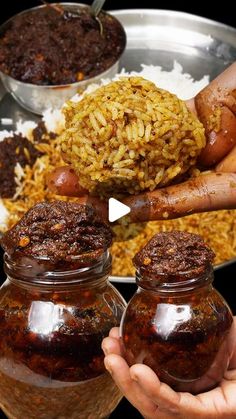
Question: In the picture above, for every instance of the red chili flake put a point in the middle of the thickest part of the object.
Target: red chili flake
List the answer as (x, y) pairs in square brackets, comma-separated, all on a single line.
[(24, 241), (126, 338), (147, 261), (80, 76), (57, 227)]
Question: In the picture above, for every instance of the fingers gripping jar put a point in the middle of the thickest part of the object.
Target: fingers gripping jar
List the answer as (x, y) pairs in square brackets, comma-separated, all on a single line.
[(177, 323), (54, 312)]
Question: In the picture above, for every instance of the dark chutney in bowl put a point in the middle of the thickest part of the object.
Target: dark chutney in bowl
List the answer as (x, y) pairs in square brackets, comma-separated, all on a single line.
[(59, 45)]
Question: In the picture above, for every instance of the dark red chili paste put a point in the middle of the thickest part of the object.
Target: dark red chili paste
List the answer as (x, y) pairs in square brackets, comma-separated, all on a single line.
[(174, 252), (53, 46), (58, 230), (177, 323), (13, 150), (41, 135), (18, 149), (52, 323)]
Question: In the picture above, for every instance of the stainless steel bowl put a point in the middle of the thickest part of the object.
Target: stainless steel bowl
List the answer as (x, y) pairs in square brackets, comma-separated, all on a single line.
[(37, 98)]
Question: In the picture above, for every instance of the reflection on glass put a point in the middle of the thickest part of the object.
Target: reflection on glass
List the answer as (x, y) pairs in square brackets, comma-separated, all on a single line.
[(169, 316), (45, 317)]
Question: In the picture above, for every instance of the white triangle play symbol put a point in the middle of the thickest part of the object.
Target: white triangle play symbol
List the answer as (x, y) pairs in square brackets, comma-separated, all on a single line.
[(116, 210)]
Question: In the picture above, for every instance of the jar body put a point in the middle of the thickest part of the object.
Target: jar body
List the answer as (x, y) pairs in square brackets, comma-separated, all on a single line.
[(182, 336), (51, 361)]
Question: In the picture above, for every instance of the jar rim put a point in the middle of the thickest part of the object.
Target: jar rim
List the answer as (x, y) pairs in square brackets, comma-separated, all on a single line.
[(185, 280), (42, 271)]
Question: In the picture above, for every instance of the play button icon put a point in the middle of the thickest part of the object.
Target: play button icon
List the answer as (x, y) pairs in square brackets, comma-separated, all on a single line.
[(116, 210)]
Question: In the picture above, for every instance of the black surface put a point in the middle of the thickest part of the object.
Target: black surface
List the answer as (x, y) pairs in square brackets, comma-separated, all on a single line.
[(217, 11)]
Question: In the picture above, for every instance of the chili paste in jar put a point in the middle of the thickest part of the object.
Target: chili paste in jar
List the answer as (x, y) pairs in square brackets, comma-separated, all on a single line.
[(59, 231), (52, 322), (172, 253), (177, 323)]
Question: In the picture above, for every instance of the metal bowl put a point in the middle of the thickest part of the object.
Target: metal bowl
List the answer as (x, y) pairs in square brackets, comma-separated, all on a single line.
[(36, 98)]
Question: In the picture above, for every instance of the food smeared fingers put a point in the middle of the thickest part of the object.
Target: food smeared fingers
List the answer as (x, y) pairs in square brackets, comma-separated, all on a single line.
[(211, 191), (228, 164), (207, 192), (221, 139), (134, 167), (64, 181), (190, 103), (226, 80), (101, 206), (221, 90), (216, 109)]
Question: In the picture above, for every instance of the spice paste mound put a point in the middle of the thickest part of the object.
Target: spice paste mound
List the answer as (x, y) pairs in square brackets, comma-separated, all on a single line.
[(170, 253), (58, 230)]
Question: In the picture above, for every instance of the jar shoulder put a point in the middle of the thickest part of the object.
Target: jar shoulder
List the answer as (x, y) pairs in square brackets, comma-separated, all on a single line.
[(194, 310), (57, 314), (58, 333), (184, 338)]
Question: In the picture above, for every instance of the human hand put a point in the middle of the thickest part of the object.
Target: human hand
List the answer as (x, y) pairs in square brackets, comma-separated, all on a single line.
[(216, 108), (156, 400), (211, 191)]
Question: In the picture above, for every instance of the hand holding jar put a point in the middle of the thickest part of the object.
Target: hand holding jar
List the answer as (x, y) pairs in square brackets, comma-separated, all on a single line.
[(177, 334), (156, 400)]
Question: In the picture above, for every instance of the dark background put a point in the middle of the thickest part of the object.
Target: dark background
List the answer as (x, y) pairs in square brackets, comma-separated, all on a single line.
[(224, 278), (217, 10)]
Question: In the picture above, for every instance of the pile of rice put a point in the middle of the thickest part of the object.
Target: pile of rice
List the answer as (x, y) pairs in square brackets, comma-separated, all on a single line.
[(130, 135), (217, 228)]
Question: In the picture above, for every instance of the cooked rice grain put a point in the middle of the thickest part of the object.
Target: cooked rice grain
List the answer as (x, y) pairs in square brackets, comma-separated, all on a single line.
[(217, 228), (130, 136), (33, 182)]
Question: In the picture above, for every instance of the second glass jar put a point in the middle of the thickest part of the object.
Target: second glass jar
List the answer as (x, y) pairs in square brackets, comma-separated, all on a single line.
[(181, 328)]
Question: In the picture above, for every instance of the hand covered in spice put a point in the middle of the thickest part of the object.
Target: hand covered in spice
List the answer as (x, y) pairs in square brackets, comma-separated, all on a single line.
[(156, 400), (215, 106)]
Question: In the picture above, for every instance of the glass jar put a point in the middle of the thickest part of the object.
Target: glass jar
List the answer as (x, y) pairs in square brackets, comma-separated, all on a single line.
[(180, 326), (51, 327)]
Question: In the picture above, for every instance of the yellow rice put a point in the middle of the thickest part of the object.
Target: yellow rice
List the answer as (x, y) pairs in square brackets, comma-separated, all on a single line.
[(130, 136), (217, 228)]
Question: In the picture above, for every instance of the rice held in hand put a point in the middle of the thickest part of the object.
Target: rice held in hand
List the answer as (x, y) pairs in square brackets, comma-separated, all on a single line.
[(130, 136)]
